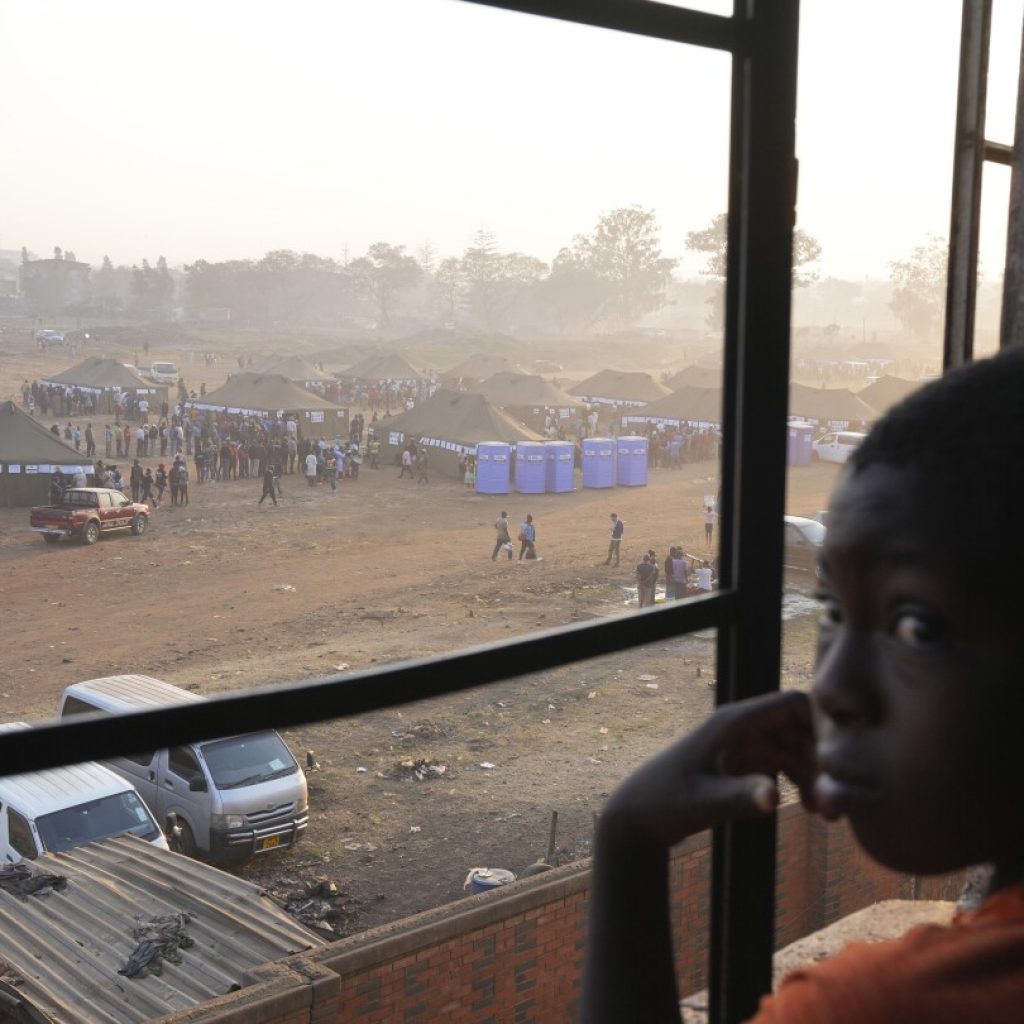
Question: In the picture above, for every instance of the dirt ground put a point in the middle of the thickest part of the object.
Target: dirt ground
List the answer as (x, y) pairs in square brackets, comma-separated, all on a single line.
[(224, 594)]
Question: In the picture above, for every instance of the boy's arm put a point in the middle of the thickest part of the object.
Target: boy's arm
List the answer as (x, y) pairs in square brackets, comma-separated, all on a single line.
[(722, 771)]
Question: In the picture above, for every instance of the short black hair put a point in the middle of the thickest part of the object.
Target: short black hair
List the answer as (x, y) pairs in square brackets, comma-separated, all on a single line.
[(963, 437)]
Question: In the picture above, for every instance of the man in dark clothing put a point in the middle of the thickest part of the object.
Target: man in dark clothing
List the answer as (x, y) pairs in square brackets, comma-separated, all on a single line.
[(646, 574), (615, 541), (501, 528), (90, 442), (136, 480), (268, 484), (56, 487)]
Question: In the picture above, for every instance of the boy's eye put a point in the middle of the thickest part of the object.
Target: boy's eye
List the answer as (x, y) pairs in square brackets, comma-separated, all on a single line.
[(916, 629)]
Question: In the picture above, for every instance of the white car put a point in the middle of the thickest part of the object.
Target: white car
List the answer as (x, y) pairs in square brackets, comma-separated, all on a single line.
[(163, 373), (836, 446)]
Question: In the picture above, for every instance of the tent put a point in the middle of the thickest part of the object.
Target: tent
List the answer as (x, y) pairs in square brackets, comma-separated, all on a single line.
[(106, 379), (383, 366), (617, 387), (29, 453), (526, 396), (885, 392), (695, 376), (295, 368), (271, 396), (477, 367), (838, 408), (692, 405), (451, 423)]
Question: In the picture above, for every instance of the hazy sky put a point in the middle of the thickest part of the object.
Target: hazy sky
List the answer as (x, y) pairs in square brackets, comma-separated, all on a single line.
[(222, 130)]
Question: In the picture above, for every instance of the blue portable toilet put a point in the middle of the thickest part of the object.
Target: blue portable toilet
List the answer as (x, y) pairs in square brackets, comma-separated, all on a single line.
[(493, 467), (799, 444), (558, 468), (530, 467), (598, 462), (631, 461)]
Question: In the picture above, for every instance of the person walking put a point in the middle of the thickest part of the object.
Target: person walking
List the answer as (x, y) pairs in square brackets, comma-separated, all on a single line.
[(147, 487), (160, 481), (268, 485), (422, 467), (615, 540), (528, 539), (503, 537), (135, 480), (406, 464)]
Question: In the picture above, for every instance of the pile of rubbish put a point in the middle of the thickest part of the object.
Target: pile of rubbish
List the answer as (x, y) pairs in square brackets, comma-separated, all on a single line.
[(317, 903), (159, 939), (418, 770), (21, 880), (424, 730)]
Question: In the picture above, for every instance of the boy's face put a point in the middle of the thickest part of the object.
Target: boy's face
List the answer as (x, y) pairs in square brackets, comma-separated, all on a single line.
[(917, 695)]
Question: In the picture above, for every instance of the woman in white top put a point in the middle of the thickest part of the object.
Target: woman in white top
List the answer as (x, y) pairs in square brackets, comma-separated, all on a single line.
[(704, 577)]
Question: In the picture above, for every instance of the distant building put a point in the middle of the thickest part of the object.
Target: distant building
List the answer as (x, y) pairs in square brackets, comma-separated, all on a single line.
[(49, 286)]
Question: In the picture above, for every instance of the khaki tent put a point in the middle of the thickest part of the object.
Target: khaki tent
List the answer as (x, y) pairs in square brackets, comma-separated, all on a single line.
[(838, 408), (295, 368), (106, 379), (618, 387), (387, 366), (272, 396), (887, 391), (477, 367), (695, 377), (450, 424), (687, 405), (29, 453), (526, 396)]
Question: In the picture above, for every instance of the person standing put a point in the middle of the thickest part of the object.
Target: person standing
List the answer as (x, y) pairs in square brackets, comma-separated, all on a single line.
[(182, 483), (679, 575), (645, 576), (503, 537), (422, 467), (311, 469), (172, 479), (709, 524), (406, 463), (160, 481), (615, 539), (332, 471), (90, 442), (670, 580), (268, 485), (527, 539), (108, 441), (147, 487), (135, 480)]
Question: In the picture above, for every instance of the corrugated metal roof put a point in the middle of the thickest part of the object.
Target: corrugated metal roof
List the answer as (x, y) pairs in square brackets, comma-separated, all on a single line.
[(68, 946)]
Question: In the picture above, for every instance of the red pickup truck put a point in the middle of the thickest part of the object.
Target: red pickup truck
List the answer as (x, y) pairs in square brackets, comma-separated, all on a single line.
[(87, 512)]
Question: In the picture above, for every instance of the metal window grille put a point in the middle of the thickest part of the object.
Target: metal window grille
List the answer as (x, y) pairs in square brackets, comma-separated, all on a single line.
[(761, 37)]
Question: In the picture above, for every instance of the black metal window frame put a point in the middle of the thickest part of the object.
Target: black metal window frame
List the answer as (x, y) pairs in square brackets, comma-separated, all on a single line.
[(761, 37)]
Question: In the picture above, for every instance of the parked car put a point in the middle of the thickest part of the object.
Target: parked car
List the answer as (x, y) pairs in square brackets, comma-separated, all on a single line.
[(163, 373), (803, 540), (836, 446), (233, 797), (60, 808), (88, 513)]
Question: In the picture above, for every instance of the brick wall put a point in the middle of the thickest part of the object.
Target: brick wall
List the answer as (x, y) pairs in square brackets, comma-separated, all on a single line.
[(515, 955)]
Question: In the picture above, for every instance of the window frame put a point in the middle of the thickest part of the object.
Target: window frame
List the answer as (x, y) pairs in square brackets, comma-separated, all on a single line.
[(761, 36)]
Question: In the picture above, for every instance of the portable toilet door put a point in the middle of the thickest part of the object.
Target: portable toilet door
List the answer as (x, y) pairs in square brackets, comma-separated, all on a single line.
[(799, 444), (631, 461), (598, 462), (493, 467), (559, 475), (530, 472)]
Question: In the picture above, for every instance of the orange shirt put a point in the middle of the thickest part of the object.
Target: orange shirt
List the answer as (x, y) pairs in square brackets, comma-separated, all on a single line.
[(968, 972)]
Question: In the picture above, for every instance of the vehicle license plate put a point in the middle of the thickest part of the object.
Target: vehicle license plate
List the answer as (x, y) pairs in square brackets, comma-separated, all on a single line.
[(270, 842)]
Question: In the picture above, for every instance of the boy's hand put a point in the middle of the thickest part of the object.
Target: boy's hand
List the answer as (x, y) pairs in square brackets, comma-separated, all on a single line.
[(723, 770)]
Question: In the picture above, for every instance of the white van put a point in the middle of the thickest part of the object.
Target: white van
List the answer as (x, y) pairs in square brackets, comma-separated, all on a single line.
[(233, 797), (163, 373), (836, 446), (60, 808)]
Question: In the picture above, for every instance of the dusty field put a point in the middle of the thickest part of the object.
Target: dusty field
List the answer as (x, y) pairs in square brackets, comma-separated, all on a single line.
[(384, 570)]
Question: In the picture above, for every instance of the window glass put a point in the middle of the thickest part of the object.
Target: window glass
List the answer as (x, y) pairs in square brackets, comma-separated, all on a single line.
[(248, 760), (19, 834), (183, 763), (96, 819)]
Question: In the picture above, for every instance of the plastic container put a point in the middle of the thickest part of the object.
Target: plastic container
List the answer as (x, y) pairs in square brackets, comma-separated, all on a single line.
[(559, 477), (631, 461), (493, 467), (530, 473), (598, 462), (799, 444), (486, 879)]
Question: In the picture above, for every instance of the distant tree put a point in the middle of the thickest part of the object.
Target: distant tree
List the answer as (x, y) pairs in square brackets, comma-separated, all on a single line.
[(382, 275), (57, 253), (574, 291), (104, 287), (426, 256), (919, 287), (69, 255), (713, 242), (24, 254), (624, 253), (493, 280), (446, 287)]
